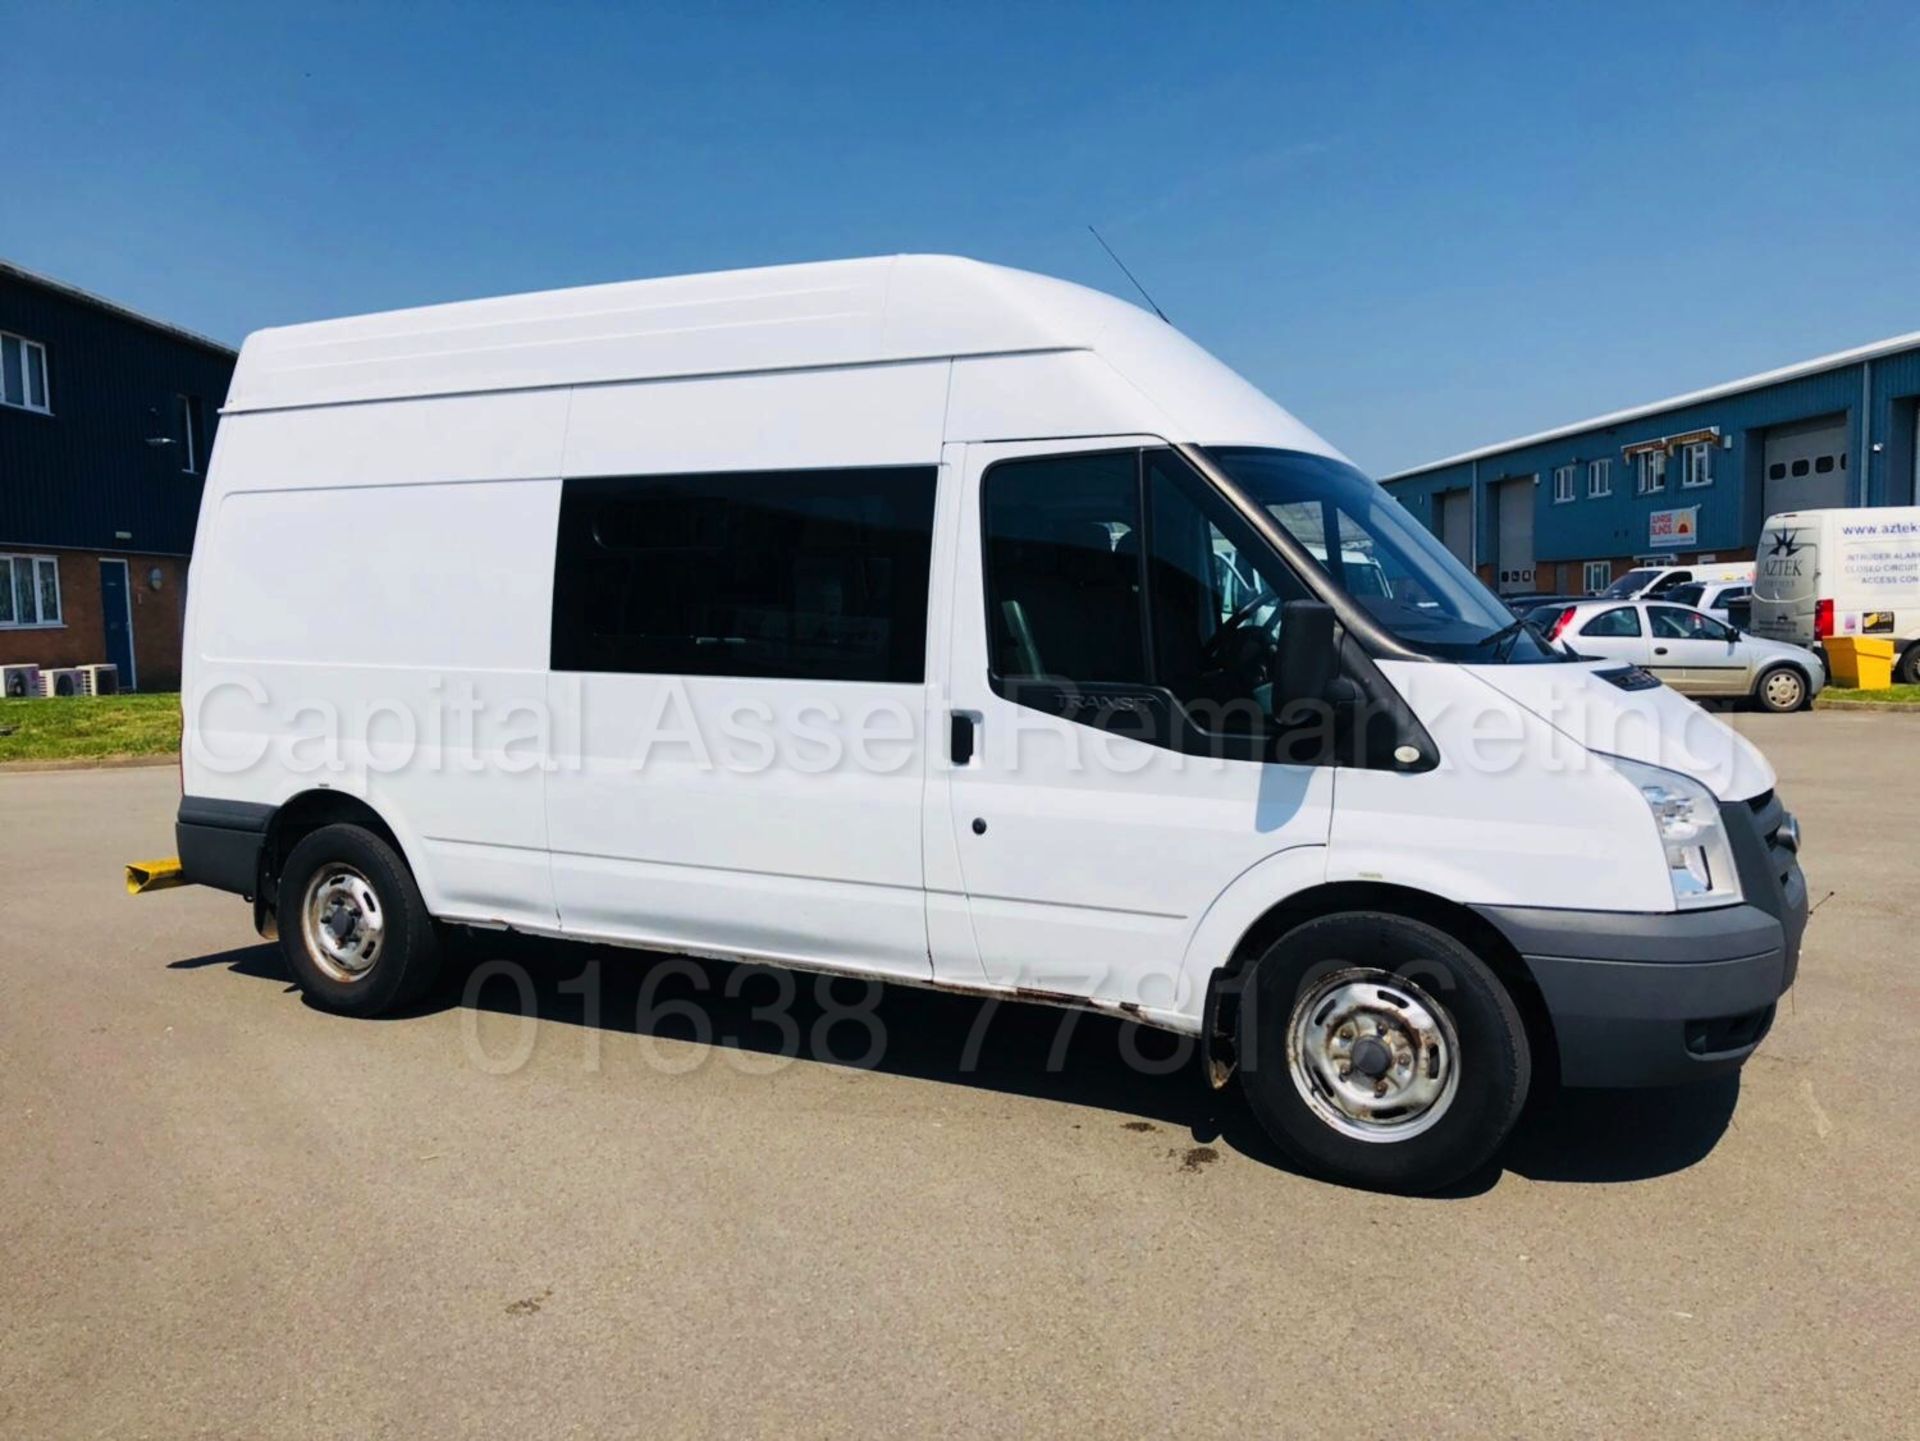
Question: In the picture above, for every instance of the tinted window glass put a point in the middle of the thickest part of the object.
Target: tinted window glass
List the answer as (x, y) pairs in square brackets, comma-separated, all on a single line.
[(1216, 597), (1686, 594), (1632, 583), (1777, 471), (813, 575), (1799, 467), (1614, 623), (1823, 464), (1371, 547), (1671, 623), (13, 384), (1063, 568)]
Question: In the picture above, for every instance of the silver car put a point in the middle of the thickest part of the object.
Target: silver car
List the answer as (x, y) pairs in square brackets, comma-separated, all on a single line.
[(1690, 650)]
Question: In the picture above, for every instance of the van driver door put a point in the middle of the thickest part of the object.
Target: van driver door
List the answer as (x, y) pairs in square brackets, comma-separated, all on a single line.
[(1111, 633)]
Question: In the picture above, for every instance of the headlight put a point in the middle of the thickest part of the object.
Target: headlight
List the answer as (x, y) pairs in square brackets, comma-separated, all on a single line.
[(1699, 854)]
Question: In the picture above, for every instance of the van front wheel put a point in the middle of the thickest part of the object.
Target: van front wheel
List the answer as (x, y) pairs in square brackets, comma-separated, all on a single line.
[(1380, 1051), (353, 925)]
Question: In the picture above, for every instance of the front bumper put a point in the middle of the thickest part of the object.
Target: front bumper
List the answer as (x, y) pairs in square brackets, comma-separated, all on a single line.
[(1653, 1000)]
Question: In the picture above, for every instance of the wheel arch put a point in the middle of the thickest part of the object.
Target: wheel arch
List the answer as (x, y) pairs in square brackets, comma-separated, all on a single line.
[(300, 816), (1767, 668), (1338, 897)]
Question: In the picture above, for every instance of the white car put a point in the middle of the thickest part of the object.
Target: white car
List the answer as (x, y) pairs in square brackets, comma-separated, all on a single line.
[(1688, 649), (1718, 598)]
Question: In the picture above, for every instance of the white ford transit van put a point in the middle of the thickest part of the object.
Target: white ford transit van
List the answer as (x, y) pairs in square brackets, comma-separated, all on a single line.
[(924, 620), (1823, 573)]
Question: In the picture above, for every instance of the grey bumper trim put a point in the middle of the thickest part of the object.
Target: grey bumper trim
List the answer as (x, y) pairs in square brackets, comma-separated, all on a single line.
[(1725, 933), (1655, 1000), (219, 842)]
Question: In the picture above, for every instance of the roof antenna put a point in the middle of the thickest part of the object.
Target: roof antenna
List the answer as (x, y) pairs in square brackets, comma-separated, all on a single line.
[(1129, 274)]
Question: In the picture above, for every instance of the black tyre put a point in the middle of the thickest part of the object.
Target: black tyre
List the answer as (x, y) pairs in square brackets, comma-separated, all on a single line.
[(1381, 1052), (1907, 672), (1782, 689), (353, 925)]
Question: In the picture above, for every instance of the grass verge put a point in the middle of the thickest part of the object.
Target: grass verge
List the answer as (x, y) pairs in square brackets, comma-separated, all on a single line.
[(1892, 695), (85, 728)]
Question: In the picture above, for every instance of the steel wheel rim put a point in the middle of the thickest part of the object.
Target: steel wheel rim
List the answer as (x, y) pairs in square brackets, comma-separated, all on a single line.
[(342, 923), (1783, 690), (1373, 1056)]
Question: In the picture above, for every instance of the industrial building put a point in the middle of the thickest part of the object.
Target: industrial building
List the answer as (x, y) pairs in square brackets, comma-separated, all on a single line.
[(1691, 479), (106, 422)]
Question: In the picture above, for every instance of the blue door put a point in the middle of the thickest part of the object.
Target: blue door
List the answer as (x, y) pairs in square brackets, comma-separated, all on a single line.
[(116, 618)]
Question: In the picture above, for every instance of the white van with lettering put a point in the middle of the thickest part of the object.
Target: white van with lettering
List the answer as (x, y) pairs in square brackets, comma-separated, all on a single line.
[(926, 621), (1854, 571)]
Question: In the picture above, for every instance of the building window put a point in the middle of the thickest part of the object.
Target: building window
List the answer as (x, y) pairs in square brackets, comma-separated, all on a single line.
[(1652, 473), (23, 373), (1563, 484), (29, 590), (1696, 464), (1598, 575), (189, 413), (1599, 479), (799, 575)]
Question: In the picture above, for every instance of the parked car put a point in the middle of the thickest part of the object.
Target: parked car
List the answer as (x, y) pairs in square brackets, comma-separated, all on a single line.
[(1648, 581), (1727, 600), (938, 624), (1695, 653)]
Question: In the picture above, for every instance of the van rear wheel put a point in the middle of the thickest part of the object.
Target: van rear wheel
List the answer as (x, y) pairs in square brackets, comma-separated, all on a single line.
[(1381, 1052), (353, 925)]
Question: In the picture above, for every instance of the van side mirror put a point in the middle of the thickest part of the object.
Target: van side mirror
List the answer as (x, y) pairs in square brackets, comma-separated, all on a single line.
[(1303, 660)]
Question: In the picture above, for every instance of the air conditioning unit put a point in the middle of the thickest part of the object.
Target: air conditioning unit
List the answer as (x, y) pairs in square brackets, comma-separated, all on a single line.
[(19, 682), (102, 679), (66, 681)]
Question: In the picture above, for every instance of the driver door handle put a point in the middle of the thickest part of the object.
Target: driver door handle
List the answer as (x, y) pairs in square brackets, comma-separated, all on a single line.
[(960, 737), (1659, 650)]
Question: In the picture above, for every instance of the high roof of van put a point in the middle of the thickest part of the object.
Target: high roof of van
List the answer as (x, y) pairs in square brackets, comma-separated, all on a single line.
[(884, 310)]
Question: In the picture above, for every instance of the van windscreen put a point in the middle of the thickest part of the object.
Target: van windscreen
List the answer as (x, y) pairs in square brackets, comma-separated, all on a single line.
[(1392, 566), (1633, 582)]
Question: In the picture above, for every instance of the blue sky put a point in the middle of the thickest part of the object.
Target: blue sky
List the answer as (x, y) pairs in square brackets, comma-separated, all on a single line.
[(1420, 227)]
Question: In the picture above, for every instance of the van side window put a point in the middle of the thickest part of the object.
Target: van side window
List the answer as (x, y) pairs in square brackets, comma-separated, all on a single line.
[(1064, 597), (1215, 598), (804, 575), (1178, 642)]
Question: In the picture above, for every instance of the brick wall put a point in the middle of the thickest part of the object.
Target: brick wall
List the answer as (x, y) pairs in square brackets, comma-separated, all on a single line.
[(81, 637)]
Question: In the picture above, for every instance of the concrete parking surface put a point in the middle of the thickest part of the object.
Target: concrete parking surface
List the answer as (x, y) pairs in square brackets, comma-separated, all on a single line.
[(226, 1213)]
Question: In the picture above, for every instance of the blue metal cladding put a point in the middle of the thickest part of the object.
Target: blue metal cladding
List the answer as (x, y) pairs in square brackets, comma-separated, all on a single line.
[(1730, 506), (85, 475)]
